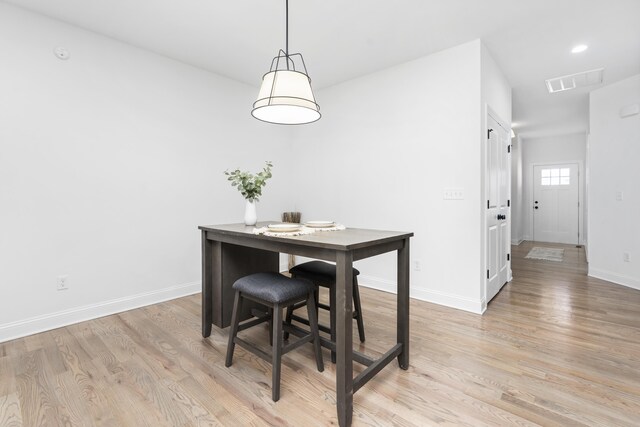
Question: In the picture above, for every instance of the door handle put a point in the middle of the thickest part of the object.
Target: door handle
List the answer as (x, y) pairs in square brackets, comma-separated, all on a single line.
[(535, 207), (536, 202)]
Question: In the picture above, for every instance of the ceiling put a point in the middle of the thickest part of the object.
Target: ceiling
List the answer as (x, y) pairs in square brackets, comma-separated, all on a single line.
[(529, 39)]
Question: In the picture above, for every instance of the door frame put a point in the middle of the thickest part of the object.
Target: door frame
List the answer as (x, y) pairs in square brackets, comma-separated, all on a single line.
[(488, 111), (581, 208)]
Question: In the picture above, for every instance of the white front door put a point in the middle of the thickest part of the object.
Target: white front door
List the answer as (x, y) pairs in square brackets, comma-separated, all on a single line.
[(556, 211), (497, 216)]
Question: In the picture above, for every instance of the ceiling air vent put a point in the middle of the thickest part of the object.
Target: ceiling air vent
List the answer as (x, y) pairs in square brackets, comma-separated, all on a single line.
[(573, 81)]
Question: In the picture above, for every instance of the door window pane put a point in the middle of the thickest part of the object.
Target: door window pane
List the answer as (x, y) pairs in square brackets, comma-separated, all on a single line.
[(556, 176)]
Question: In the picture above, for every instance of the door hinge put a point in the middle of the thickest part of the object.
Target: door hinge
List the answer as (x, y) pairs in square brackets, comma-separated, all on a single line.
[(508, 148), (508, 257), (487, 274), (489, 133), (508, 203), (487, 204)]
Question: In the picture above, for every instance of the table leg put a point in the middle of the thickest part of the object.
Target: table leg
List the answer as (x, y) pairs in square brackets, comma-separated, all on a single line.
[(207, 285), (403, 304), (344, 338)]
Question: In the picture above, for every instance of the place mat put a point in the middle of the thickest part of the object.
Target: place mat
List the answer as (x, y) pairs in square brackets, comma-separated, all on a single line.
[(303, 230), (336, 227)]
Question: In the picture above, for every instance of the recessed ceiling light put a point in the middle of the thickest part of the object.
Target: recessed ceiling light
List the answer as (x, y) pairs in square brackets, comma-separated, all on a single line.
[(579, 48)]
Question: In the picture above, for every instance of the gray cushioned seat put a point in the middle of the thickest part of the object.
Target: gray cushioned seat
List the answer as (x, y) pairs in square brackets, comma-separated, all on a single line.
[(318, 271), (273, 287), (323, 274)]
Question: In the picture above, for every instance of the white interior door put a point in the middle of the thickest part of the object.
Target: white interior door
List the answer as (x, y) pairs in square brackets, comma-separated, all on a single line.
[(497, 183), (556, 209)]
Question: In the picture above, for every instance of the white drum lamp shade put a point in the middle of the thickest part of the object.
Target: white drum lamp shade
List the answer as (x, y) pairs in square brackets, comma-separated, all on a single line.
[(286, 98)]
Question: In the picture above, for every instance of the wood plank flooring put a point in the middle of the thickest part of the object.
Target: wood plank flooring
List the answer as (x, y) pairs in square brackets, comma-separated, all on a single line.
[(555, 348)]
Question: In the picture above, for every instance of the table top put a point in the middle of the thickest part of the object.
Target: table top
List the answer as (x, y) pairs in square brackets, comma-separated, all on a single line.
[(345, 240)]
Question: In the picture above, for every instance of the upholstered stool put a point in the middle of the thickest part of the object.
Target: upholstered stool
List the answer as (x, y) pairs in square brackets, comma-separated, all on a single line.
[(324, 274), (276, 292)]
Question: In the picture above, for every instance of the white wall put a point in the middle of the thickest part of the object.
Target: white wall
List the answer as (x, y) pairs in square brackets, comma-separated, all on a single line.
[(110, 160), (517, 190), (587, 174), (551, 150), (386, 147), (108, 163), (496, 90), (614, 151)]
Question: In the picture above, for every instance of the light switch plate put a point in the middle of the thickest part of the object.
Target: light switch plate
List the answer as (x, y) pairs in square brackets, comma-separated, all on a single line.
[(453, 194)]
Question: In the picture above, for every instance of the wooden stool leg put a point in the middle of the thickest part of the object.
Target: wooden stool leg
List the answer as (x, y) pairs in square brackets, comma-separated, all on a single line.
[(233, 331), (288, 319), (276, 349), (313, 325), (289, 315), (332, 318), (356, 302), (270, 325)]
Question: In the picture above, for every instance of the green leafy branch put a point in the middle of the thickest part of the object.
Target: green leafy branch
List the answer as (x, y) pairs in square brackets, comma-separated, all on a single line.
[(248, 184)]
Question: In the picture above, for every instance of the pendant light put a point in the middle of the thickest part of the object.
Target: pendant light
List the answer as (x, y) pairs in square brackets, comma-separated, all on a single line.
[(286, 96)]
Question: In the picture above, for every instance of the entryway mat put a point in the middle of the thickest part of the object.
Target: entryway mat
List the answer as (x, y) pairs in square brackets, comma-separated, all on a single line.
[(547, 254)]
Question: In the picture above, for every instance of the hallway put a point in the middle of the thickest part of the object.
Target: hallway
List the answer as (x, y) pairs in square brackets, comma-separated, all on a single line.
[(579, 337)]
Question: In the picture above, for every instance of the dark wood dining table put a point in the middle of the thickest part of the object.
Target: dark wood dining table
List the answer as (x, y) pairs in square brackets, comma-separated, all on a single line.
[(232, 251)]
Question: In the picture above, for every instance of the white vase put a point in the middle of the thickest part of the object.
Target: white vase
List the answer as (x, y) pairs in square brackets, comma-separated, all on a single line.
[(250, 216)]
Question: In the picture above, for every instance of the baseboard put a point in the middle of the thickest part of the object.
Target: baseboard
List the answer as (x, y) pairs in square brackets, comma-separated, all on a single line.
[(616, 278), (47, 322), (377, 284), (450, 300), (436, 297), (516, 242)]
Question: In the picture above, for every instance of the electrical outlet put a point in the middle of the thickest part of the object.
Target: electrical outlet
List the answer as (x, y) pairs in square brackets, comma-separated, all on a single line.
[(417, 266), (63, 283), (619, 196), (626, 257)]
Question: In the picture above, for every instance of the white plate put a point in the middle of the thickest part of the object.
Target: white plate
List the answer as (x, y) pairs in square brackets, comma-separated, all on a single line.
[(283, 228), (320, 224)]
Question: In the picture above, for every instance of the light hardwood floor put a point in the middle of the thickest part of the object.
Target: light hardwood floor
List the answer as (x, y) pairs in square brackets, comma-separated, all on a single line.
[(555, 348)]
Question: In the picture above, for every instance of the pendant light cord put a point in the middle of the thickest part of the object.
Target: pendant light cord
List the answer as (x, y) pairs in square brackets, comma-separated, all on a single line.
[(287, 31)]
